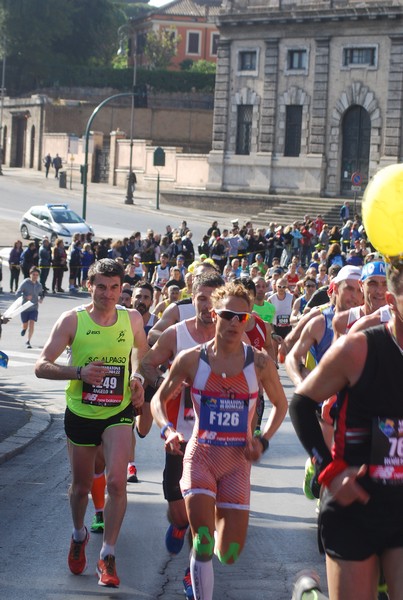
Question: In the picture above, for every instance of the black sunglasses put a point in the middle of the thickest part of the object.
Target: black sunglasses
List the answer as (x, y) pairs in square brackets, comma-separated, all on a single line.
[(228, 315)]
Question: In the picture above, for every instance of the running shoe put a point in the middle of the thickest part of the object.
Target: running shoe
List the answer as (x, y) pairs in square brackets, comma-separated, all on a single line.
[(309, 475), (132, 474), (307, 581), (187, 585), (97, 525), (77, 560), (28, 344), (23, 332), (174, 538), (106, 569)]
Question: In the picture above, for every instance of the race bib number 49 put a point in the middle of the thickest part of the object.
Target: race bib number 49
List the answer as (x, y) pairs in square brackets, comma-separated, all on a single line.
[(386, 464), (109, 393), (223, 421)]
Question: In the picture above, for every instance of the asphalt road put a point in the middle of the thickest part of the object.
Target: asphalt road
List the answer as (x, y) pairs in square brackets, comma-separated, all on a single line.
[(35, 520)]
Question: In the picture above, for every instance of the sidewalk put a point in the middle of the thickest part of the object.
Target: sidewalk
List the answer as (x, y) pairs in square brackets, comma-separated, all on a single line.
[(20, 424)]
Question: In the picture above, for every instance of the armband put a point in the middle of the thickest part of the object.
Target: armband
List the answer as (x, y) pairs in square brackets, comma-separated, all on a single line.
[(78, 373), (137, 376), (264, 442), (333, 469), (164, 429)]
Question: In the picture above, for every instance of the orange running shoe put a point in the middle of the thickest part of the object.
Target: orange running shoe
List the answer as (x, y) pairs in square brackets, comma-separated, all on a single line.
[(77, 560), (106, 570)]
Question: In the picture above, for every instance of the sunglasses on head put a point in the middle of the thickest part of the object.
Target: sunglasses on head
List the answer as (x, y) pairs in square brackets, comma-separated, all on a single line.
[(228, 315)]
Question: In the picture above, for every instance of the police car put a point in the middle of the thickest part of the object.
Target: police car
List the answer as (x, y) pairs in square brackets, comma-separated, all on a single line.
[(53, 221)]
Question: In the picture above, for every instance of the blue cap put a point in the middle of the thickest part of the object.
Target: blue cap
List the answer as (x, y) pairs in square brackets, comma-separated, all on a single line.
[(376, 268)]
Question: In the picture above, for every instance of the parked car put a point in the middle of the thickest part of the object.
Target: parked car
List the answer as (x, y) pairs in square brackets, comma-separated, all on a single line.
[(53, 221)]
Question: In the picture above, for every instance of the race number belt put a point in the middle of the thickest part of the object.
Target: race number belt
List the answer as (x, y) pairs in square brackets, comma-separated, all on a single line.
[(386, 463), (223, 421), (109, 393)]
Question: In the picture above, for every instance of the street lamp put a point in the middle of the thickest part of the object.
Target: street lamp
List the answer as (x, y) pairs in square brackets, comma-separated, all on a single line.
[(124, 33), (3, 83)]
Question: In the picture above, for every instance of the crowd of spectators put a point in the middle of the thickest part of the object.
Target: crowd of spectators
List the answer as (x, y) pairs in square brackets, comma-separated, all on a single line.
[(303, 248)]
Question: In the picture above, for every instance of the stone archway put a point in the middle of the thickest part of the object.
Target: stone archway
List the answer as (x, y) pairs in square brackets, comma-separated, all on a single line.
[(361, 95)]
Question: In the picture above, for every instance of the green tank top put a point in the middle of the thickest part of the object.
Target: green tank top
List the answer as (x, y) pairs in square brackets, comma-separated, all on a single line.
[(112, 345)]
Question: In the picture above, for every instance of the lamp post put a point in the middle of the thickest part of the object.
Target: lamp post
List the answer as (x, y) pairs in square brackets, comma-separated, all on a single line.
[(3, 83), (124, 32)]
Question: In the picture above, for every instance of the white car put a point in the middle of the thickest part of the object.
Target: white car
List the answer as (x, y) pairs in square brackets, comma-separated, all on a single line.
[(53, 221)]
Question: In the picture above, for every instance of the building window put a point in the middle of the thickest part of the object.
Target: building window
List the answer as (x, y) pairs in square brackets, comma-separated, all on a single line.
[(214, 44), (141, 42), (244, 129), (247, 60), (360, 56), (193, 42), (293, 123), (297, 60)]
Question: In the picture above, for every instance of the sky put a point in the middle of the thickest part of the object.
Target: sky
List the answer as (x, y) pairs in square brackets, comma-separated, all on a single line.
[(159, 2)]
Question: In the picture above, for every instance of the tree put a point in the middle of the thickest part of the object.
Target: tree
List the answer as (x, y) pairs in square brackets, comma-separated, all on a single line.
[(203, 66), (161, 47)]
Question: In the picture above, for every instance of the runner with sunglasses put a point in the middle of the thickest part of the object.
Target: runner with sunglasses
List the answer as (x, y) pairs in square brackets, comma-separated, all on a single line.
[(224, 376)]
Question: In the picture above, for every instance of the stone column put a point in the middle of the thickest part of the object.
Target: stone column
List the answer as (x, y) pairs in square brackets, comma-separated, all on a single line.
[(113, 155), (270, 91), (221, 96), (393, 118), (320, 97)]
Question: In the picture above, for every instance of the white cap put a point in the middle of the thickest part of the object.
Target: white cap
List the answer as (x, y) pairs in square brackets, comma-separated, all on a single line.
[(348, 272)]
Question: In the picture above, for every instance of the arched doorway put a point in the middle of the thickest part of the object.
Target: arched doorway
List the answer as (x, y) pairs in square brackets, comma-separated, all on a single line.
[(356, 129), (32, 148)]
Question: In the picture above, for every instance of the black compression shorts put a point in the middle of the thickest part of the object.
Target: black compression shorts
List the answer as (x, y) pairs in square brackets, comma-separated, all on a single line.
[(358, 531), (88, 432), (172, 475)]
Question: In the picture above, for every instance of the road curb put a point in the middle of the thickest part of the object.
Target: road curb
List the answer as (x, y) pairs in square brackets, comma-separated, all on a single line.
[(38, 423)]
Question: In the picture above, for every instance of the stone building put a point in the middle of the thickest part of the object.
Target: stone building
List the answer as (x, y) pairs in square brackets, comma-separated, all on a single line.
[(307, 93)]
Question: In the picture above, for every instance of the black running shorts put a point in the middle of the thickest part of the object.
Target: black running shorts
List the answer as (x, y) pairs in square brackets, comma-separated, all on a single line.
[(172, 475), (88, 432)]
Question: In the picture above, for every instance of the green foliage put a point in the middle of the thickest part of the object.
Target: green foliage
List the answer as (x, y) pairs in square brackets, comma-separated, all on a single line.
[(186, 64), (203, 66), (161, 47), (45, 32)]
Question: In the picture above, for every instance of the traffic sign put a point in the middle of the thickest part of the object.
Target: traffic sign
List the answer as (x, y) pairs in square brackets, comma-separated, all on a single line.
[(356, 178)]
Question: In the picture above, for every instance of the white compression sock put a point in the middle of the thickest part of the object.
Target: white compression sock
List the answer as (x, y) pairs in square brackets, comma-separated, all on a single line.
[(202, 574)]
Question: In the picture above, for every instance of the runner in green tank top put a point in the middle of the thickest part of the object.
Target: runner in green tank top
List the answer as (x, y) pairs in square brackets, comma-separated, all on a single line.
[(107, 343)]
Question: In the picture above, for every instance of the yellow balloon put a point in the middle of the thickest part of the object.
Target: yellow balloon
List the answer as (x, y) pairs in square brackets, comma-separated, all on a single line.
[(382, 210)]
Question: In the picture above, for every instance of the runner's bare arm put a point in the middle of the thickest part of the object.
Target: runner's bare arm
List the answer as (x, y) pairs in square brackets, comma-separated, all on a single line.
[(269, 378), (182, 371), (163, 351), (312, 332), (169, 317), (62, 335)]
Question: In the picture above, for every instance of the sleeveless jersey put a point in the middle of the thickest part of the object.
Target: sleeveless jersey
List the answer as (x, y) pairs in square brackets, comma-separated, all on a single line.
[(162, 276), (150, 323), (318, 350), (186, 309), (224, 406), (384, 314), (369, 426), (354, 314), (283, 309), (113, 346), (257, 335), (180, 409)]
